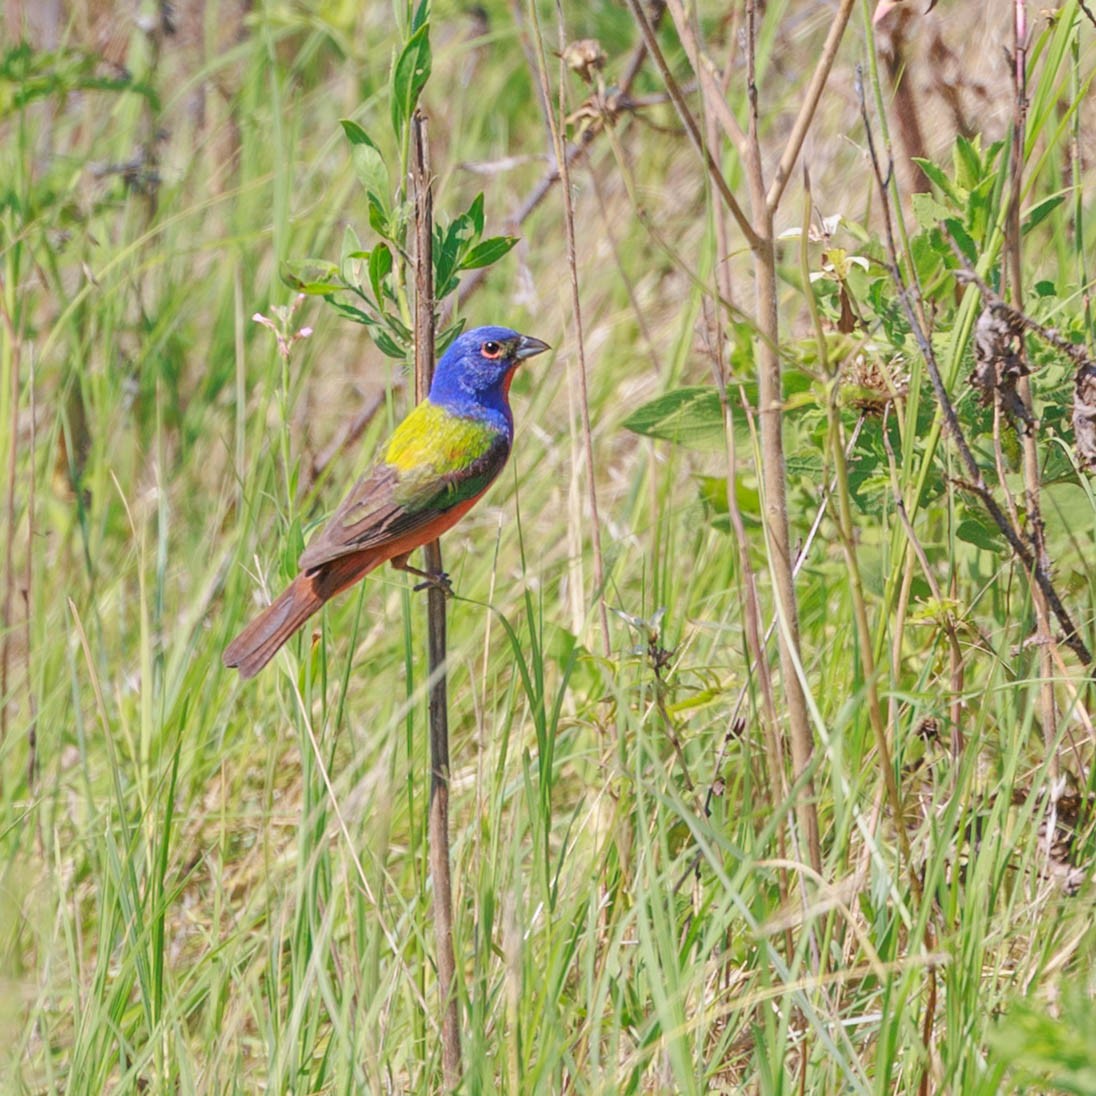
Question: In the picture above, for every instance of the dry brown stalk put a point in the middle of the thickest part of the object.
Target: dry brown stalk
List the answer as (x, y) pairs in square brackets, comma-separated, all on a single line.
[(575, 152), (1013, 257), (561, 158)]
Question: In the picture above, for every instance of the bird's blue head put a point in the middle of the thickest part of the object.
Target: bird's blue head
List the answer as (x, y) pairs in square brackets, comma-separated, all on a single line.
[(474, 374)]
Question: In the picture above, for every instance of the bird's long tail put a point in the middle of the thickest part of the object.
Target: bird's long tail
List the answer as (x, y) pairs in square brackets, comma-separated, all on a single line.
[(260, 641)]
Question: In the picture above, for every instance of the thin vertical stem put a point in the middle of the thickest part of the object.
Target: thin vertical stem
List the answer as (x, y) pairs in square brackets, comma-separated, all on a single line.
[(1014, 259), (560, 152), (11, 366), (772, 473), (435, 606)]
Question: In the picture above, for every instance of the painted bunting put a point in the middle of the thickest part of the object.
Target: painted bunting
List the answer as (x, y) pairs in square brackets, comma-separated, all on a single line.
[(438, 462)]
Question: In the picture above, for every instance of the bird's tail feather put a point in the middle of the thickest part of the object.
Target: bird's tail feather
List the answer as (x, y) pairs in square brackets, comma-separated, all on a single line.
[(260, 641)]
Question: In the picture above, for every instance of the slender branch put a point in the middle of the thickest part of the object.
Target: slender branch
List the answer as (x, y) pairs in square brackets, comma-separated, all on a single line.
[(810, 104), (7, 620), (421, 184), (772, 472), (695, 135), (575, 152), (576, 312), (714, 94)]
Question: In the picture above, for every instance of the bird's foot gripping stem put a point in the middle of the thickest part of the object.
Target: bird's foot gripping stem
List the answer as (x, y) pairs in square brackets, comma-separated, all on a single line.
[(439, 581)]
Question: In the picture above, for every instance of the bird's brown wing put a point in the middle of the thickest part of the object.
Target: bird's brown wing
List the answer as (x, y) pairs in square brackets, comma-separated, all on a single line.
[(386, 504)]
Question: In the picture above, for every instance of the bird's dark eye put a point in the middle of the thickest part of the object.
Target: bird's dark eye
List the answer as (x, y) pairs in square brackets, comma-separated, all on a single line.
[(491, 349)]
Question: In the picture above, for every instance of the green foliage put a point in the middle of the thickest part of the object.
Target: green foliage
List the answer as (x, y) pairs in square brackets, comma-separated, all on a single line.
[(212, 887), (28, 75), (370, 277), (1053, 1053), (409, 76), (692, 417)]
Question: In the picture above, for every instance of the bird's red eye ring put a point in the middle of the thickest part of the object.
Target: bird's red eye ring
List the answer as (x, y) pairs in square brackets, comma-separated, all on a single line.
[(492, 349)]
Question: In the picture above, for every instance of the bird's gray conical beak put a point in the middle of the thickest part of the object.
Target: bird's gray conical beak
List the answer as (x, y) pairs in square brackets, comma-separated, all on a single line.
[(528, 347)]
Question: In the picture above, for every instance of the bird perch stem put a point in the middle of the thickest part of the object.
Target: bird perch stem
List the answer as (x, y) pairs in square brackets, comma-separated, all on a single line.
[(439, 701)]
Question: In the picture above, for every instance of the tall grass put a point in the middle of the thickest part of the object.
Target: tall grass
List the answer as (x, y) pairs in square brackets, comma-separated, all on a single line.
[(218, 887)]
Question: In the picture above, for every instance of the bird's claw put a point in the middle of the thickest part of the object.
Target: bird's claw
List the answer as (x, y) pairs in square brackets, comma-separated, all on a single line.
[(440, 581)]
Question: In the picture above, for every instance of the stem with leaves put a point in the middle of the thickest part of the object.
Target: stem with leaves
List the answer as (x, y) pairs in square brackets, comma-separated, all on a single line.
[(435, 608)]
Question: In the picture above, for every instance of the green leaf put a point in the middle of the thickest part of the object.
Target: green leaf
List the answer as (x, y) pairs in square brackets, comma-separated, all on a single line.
[(352, 313), (378, 218), (400, 330), (692, 417), (979, 534), (966, 245), (939, 179), (487, 252), (447, 244), (713, 493), (314, 276), (982, 207), (448, 335), (409, 76), (387, 345), (351, 256), (803, 466), (368, 163), (1041, 211), (475, 214), (928, 211), (356, 135), (422, 13), (380, 266), (968, 163)]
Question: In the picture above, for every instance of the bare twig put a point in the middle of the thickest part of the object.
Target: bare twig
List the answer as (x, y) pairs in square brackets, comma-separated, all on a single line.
[(811, 98), (772, 472), (7, 623), (713, 89), (693, 130), (421, 184), (350, 433), (576, 311), (1050, 335), (575, 152)]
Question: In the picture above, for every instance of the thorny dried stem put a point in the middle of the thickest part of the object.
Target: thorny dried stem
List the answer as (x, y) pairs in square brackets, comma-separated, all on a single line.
[(976, 483), (1014, 260)]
